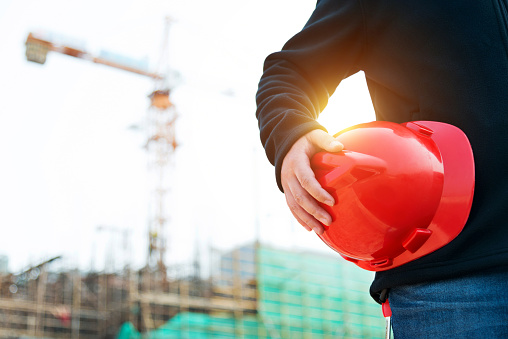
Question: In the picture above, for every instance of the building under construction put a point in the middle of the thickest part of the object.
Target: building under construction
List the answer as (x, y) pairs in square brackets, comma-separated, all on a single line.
[(252, 292)]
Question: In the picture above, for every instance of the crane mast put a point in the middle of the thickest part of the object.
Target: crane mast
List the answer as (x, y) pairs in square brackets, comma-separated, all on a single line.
[(161, 142)]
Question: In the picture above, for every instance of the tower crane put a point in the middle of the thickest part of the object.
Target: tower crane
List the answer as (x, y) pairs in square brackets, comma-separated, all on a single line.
[(38, 46), (161, 141)]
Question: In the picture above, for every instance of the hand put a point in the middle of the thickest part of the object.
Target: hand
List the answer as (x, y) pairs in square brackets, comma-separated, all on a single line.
[(302, 190)]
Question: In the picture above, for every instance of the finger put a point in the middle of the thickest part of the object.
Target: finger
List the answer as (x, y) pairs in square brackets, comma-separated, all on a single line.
[(325, 141), (301, 222), (308, 181), (306, 202), (303, 218)]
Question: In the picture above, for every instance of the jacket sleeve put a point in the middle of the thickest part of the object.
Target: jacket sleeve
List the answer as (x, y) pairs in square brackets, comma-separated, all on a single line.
[(298, 80)]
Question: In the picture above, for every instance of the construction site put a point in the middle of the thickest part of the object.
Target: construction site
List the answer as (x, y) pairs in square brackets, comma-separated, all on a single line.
[(253, 292), (249, 291)]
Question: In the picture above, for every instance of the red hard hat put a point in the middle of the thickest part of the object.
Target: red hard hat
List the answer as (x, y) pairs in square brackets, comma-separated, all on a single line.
[(402, 191)]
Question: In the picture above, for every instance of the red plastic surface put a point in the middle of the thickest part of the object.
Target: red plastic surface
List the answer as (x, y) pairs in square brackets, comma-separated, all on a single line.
[(401, 191), (416, 239), (387, 311)]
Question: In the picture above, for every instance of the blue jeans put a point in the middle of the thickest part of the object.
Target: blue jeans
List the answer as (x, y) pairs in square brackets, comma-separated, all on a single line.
[(466, 307)]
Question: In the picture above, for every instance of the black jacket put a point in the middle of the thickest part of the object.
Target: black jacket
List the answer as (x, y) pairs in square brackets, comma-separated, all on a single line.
[(423, 60)]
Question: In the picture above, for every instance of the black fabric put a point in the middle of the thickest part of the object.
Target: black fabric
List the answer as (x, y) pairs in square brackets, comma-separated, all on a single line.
[(423, 60)]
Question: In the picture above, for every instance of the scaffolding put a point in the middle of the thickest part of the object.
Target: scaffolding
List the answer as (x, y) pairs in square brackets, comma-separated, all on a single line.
[(41, 303), (261, 292), (253, 291)]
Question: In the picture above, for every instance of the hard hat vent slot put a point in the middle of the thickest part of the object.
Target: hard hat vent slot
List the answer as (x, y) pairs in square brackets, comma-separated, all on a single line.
[(385, 262)]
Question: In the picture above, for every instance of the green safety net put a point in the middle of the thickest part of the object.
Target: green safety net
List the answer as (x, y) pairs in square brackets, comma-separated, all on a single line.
[(300, 295)]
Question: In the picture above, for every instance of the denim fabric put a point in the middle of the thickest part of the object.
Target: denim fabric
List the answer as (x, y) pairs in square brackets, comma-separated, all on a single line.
[(467, 307)]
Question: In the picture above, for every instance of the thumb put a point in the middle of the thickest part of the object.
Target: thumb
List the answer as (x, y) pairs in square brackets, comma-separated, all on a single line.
[(325, 141)]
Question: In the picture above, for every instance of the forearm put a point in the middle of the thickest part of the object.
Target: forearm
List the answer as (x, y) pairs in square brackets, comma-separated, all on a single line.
[(287, 108), (298, 80)]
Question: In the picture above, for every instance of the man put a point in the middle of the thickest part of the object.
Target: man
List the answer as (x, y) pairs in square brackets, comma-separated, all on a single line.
[(433, 60)]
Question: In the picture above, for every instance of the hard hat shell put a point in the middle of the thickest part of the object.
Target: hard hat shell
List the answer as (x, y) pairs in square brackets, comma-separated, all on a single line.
[(402, 191)]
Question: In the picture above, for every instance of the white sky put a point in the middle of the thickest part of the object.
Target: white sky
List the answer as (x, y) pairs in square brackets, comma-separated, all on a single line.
[(69, 161)]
